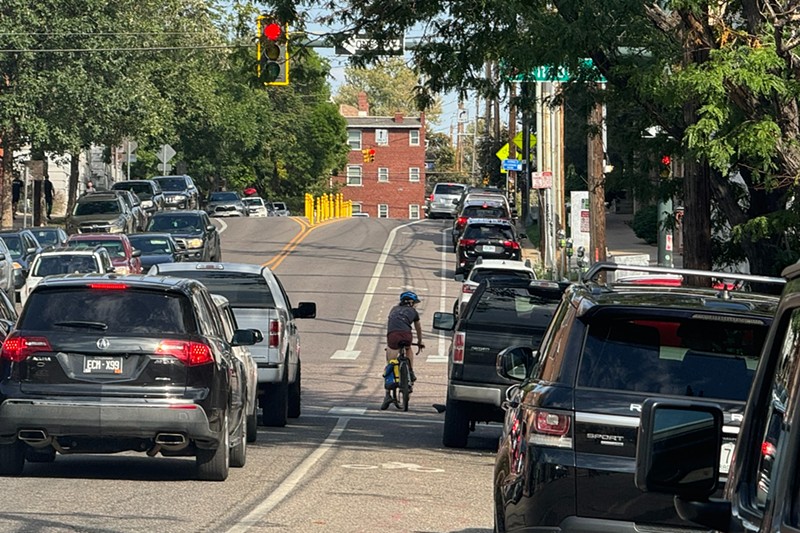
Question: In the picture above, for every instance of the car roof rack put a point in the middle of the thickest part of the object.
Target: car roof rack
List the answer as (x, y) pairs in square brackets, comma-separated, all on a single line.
[(607, 266)]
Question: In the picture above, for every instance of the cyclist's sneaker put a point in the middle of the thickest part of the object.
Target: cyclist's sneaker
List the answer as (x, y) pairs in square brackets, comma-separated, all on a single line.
[(387, 401), (413, 376)]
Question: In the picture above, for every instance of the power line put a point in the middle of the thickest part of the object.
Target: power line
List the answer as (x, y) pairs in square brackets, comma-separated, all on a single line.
[(125, 49)]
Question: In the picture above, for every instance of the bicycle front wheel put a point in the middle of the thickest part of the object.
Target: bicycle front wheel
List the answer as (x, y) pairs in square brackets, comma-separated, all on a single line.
[(404, 387)]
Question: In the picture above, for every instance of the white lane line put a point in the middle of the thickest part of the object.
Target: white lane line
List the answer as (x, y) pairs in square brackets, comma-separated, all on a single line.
[(346, 354), (366, 301), (255, 516), (347, 411), (440, 356), (224, 226)]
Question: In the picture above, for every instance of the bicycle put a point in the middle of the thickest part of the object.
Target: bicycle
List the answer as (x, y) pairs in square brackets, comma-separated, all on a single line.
[(397, 379)]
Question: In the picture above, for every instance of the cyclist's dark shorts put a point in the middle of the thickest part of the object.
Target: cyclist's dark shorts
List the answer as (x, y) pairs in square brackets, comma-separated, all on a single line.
[(394, 338)]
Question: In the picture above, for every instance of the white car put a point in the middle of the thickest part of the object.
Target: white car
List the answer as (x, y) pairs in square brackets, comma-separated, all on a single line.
[(488, 268), (69, 261), (256, 206)]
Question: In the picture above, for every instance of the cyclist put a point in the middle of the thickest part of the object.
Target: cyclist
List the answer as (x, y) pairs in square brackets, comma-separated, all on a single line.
[(401, 318)]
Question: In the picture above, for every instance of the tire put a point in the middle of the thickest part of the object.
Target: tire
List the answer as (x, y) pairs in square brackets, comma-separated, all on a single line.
[(294, 395), (46, 455), (238, 452), (499, 514), (456, 425), (275, 404), (252, 425), (212, 465), (12, 458), (405, 387), (455, 309)]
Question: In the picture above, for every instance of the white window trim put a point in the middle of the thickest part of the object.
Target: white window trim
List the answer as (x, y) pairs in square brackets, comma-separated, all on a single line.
[(360, 139), (349, 175), (411, 174), (382, 141), (411, 138), (411, 208), (380, 174), (383, 210)]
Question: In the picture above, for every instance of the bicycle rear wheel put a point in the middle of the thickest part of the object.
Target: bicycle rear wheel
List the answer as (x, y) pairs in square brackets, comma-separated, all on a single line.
[(404, 387)]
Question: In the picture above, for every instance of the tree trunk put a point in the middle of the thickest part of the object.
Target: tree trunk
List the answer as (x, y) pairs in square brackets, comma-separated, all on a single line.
[(74, 175), (697, 217), (6, 176), (597, 188)]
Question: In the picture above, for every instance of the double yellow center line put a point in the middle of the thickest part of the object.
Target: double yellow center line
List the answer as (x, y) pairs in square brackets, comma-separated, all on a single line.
[(305, 229)]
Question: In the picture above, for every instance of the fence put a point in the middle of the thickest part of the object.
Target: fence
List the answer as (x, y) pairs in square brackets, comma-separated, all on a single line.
[(321, 208)]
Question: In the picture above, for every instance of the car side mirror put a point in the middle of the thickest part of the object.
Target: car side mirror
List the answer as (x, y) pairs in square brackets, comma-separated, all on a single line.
[(444, 321), (211, 227), (305, 310), (244, 337), (259, 336), (31, 250), (459, 277), (516, 362), (514, 213), (523, 235), (136, 253)]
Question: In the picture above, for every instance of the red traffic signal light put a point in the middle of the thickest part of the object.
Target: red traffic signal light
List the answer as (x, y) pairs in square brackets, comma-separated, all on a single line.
[(371, 155), (272, 51), (666, 160), (273, 31)]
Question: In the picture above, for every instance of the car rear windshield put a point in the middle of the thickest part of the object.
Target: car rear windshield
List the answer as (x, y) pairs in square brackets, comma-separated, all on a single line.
[(513, 305), (484, 212), (242, 289), (474, 231), (481, 274), (139, 188), (51, 265), (172, 184), (706, 358), (446, 188), (109, 312), (151, 245), (98, 207)]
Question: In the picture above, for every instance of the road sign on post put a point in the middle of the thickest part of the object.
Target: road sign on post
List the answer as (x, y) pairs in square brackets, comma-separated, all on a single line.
[(541, 180), (165, 153), (561, 74), (164, 167), (363, 43), (512, 164)]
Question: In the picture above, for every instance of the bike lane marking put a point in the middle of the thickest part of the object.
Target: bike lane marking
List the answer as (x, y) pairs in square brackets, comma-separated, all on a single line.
[(254, 517)]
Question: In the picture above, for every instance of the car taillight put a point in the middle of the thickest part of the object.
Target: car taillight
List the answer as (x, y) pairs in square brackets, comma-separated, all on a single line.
[(190, 353), (108, 286), (514, 245), (467, 289), (767, 449), (461, 221), (274, 333), (551, 429), (18, 348), (467, 242), (430, 198), (458, 347)]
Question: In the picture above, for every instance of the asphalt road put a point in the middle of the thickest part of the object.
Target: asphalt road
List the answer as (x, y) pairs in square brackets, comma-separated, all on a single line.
[(344, 465)]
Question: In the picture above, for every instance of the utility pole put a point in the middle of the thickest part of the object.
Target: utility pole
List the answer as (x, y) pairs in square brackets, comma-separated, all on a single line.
[(597, 186), (459, 145), (523, 181), (511, 181)]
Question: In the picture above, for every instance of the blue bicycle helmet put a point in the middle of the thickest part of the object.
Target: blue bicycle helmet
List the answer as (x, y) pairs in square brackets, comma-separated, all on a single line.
[(409, 295)]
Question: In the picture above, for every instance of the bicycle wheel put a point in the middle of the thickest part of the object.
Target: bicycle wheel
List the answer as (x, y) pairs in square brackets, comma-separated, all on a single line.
[(404, 387)]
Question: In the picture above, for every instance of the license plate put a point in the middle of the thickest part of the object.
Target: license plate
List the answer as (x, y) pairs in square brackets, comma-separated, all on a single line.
[(725, 456), (102, 365), (490, 249)]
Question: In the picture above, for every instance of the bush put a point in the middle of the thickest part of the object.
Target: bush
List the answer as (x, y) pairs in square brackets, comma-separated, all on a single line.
[(645, 224)]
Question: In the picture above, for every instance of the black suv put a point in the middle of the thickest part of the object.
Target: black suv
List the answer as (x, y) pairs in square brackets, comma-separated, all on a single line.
[(180, 192), (489, 238), (566, 458), (148, 191), (100, 212), (197, 238), (103, 364), (483, 208)]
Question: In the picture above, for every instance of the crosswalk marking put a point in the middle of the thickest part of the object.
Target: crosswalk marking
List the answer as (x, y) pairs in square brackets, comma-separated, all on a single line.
[(346, 354), (436, 359)]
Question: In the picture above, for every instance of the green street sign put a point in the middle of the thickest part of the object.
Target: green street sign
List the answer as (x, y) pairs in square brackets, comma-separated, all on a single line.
[(546, 73)]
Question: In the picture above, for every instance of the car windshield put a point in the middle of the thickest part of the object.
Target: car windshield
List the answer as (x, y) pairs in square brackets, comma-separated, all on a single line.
[(484, 212), (121, 312), (97, 207), (447, 188), (51, 265), (114, 247), (176, 224), (513, 305), (474, 231), (151, 245), (480, 274), (253, 202), (242, 289), (46, 236), (691, 357), (172, 184), (141, 189), (280, 206), (14, 245), (223, 197)]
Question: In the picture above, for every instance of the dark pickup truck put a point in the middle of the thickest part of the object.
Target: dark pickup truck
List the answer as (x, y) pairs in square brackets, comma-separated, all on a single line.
[(504, 311)]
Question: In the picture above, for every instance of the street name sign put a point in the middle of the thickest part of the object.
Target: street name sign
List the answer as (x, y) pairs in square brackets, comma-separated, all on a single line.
[(364, 43), (512, 164), (545, 73)]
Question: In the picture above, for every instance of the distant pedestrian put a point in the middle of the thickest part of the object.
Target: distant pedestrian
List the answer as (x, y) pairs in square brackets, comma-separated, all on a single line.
[(90, 187), (48, 196), (16, 191)]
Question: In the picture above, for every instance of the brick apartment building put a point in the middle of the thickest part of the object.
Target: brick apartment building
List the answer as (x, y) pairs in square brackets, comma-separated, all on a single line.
[(393, 184)]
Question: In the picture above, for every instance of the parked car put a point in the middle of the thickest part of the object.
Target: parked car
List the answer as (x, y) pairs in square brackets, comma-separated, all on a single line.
[(180, 192), (489, 268), (53, 236), (124, 258), (247, 364), (7, 271), (567, 455), (8, 315), (197, 238), (133, 204), (259, 301), (442, 200), (155, 248), (66, 261), (256, 206), (102, 364), (226, 204), (502, 312), (280, 209), (684, 453), (487, 238), (100, 212), (148, 191), (482, 208), (23, 247)]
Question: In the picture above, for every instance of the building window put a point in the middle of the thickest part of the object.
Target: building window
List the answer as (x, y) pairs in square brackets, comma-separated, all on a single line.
[(413, 138), (354, 176), (383, 210), (413, 211), (413, 174), (354, 139), (383, 174), (356, 207), (382, 137)]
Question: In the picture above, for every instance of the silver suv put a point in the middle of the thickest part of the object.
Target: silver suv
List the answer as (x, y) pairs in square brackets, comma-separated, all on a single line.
[(442, 201)]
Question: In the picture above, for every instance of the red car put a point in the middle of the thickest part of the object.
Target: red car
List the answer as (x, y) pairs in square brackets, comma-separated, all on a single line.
[(124, 257)]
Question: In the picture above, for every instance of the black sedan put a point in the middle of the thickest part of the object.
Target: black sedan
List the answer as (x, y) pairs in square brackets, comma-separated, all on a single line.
[(197, 238), (156, 248), (487, 238)]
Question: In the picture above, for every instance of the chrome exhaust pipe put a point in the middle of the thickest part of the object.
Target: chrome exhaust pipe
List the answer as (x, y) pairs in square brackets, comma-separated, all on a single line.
[(34, 437), (171, 439)]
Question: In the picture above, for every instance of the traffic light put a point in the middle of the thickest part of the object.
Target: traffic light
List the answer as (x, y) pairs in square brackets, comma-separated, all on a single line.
[(371, 153), (272, 51), (365, 155), (665, 170)]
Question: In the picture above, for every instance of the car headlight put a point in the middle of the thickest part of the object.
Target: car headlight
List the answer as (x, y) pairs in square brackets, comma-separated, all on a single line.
[(194, 243), (147, 203), (179, 197)]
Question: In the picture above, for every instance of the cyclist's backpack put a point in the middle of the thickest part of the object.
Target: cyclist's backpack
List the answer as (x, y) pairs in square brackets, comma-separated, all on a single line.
[(391, 374)]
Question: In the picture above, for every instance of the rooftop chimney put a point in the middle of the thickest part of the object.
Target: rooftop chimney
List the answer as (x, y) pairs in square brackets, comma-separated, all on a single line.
[(363, 104), (398, 117)]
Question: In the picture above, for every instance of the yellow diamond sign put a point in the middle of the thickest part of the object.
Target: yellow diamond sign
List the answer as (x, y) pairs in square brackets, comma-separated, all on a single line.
[(518, 140)]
